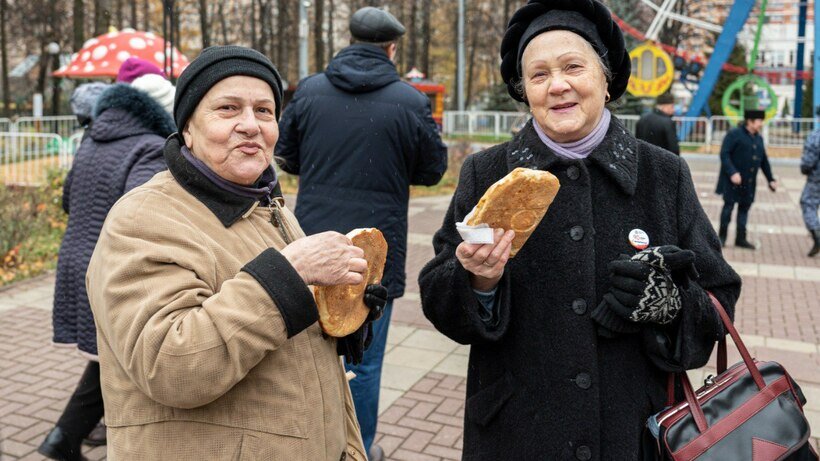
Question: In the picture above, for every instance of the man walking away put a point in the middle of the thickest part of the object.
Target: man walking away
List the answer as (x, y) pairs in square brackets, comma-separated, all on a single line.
[(742, 154), (358, 137), (657, 126), (810, 200)]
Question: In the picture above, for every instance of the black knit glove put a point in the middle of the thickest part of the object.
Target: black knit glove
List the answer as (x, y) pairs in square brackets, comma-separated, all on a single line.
[(353, 345), (645, 289)]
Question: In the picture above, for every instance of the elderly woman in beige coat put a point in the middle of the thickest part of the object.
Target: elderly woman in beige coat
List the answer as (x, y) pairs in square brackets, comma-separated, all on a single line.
[(208, 337)]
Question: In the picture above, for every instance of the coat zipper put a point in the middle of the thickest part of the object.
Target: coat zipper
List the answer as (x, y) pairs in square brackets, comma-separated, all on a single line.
[(278, 221)]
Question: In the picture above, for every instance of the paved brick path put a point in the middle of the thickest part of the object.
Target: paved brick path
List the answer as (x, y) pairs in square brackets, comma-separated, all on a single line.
[(422, 397)]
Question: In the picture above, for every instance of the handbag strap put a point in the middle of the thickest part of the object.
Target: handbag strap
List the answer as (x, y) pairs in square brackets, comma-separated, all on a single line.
[(691, 398), (744, 352)]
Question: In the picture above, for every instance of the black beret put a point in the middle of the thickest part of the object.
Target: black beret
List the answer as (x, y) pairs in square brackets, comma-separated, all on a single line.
[(371, 24), (754, 114), (217, 63), (588, 18)]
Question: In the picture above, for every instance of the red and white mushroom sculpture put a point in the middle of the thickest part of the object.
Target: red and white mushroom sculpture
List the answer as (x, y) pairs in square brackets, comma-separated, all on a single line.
[(102, 56)]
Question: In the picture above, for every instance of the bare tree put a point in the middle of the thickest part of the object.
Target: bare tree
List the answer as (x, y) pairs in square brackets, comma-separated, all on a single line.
[(331, 13), (412, 36), (223, 24), (133, 22), (146, 15), (283, 45), (102, 17), (78, 23), (254, 43), (204, 24), (318, 36), (4, 58), (425, 36), (119, 14)]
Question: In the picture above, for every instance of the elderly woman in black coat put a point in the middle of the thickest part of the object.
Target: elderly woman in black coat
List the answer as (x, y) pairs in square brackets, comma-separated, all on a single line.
[(572, 339)]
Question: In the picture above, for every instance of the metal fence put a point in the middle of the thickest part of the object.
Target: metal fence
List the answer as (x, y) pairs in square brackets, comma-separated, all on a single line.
[(63, 125), (700, 131), (27, 157)]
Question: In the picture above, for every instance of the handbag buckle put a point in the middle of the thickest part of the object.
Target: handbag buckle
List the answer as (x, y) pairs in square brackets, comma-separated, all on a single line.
[(709, 381)]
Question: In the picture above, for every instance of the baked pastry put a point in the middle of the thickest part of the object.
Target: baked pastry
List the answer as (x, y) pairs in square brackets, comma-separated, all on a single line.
[(517, 201), (341, 307)]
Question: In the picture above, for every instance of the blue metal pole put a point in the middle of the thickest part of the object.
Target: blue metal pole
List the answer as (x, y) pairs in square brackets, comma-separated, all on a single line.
[(801, 49), (723, 48)]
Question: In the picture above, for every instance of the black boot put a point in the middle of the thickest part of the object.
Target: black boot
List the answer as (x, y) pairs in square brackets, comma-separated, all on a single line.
[(816, 248), (59, 445), (722, 234), (741, 242)]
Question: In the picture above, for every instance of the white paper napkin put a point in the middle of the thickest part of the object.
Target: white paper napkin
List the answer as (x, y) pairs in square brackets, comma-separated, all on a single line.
[(480, 234)]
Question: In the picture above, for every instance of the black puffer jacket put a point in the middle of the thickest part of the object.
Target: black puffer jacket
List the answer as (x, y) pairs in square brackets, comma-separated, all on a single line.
[(358, 137), (122, 151)]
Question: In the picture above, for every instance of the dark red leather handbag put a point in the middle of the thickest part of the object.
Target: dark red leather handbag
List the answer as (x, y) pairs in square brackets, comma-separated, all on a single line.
[(752, 411)]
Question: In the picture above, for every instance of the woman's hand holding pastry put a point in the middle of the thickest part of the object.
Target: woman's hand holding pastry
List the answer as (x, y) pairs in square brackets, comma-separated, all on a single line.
[(486, 262)]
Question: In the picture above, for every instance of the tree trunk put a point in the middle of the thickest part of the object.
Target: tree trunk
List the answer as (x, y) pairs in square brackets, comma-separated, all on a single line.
[(146, 16), (331, 13), (120, 14), (133, 22), (425, 37), (318, 36), (253, 24), (471, 62), (507, 13), (284, 37), (102, 17), (4, 59), (412, 37), (204, 23), (78, 23), (223, 24)]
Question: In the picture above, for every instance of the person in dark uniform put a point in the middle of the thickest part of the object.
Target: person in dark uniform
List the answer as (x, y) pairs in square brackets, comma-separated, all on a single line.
[(741, 156), (358, 137), (657, 127)]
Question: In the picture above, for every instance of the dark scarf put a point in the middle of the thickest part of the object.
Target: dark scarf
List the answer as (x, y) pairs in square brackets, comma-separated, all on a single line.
[(228, 201)]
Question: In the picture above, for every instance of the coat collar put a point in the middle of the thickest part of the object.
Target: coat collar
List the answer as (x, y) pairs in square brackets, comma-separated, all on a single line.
[(228, 208), (617, 155)]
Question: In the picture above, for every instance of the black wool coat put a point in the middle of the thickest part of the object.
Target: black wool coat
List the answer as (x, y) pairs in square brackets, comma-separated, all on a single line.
[(542, 384), (744, 153), (122, 150), (358, 137), (658, 129)]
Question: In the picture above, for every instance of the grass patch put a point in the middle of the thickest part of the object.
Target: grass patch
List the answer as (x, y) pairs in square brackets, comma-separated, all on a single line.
[(32, 225), (482, 138)]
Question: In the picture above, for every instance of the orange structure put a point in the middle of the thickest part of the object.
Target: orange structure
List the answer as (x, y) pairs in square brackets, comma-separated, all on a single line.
[(434, 91)]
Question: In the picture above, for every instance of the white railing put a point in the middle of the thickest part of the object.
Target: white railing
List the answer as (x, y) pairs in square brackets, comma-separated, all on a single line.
[(700, 131), (63, 125), (26, 157)]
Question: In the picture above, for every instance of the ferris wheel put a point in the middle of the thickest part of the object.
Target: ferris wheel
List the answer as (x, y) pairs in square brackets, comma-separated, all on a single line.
[(734, 100)]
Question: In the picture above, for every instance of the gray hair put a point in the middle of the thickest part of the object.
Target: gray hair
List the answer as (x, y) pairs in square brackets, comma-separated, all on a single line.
[(518, 85)]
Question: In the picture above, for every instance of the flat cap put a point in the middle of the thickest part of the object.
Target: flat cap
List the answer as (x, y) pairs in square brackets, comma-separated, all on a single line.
[(371, 24)]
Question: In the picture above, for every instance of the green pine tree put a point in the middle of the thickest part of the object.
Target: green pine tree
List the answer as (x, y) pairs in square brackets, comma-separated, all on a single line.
[(806, 109), (738, 58)]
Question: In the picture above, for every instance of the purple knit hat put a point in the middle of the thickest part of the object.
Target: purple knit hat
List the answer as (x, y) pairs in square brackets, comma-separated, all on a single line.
[(134, 68)]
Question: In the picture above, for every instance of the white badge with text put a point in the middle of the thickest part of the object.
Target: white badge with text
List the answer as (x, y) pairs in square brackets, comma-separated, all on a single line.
[(638, 239)]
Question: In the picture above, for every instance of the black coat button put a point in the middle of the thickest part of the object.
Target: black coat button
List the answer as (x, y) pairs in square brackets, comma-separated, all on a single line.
[(583, 380), (584, 453), (579, 306), (573, 172), (576, 233)]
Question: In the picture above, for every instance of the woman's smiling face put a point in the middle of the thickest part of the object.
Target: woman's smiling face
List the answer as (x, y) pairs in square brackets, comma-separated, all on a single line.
[(564, 83)]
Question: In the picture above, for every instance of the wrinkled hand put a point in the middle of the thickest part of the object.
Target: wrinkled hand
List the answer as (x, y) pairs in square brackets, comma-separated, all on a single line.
[(773, 186), (328, 258), (806, 169), (736, 179), (353, 345), (486, 262)]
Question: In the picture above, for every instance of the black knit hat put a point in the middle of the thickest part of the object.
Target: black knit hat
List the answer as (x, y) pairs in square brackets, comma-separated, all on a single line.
[(754, 114), (217, 63), (588, 18)]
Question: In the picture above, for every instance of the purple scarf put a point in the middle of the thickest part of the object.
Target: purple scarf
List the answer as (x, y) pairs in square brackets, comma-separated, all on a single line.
[(577, 150), (261, 191)]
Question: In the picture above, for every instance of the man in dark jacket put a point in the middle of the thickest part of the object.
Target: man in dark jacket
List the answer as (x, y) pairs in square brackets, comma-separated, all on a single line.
[(657, 127), (810, 199), (742, 154), (358, 137)]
